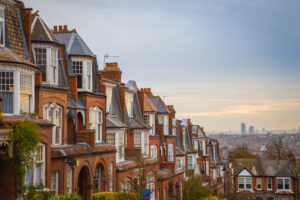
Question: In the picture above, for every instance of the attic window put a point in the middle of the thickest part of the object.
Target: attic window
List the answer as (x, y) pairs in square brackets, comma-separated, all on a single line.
[(2, 27), (77, 69)]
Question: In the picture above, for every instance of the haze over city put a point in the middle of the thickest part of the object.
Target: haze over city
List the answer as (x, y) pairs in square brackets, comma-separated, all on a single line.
[(220, 63)]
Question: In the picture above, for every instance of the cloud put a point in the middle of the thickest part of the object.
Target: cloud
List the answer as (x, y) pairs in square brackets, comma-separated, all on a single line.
[(261, 106)]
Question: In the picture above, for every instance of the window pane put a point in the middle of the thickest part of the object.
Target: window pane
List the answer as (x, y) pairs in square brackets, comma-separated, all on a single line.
[(41, 61), (287, 183), (24, 103), (280, 184), (111, 139)]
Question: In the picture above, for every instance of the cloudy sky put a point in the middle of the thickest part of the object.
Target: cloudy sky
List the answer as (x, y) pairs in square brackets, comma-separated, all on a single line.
[(219, 62)]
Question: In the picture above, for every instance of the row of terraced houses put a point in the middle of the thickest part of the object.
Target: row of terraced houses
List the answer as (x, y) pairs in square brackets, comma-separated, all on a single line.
[(93, 126)]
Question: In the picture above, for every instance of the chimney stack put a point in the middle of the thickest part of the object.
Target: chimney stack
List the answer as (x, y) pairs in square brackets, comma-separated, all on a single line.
[(55, 29), (112, 72), (60, 27), (65, 27)]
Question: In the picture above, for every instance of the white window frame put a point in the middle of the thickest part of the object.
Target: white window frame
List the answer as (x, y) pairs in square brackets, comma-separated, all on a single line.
[(2, 19), (129, 96), (258, 183), (269, 179), (151, 184), (70, 180), (244, 182), (137, 139), (95, 123), (171, 152), (111, 177), (126, 185), (46, 115), (26, 89), (153, 151), (87, 70), (190, 163), (145, 143), (36, 162), (54, 182), (284, 179), (109, 91), (50, 50)]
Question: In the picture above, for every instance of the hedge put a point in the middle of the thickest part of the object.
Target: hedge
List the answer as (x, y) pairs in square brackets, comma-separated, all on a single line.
[(69, 196), (114, 196)]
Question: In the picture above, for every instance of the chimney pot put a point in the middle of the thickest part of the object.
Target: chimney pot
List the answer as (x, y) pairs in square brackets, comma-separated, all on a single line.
[(55, 28), (60, 27), (65, 27)]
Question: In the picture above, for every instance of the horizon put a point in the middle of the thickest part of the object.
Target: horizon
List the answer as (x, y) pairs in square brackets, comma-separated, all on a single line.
[(218, 63)]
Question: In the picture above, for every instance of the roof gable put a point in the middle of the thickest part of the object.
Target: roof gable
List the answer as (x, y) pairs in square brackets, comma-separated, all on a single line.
[(148, 105), (244, 172), (160, 105)]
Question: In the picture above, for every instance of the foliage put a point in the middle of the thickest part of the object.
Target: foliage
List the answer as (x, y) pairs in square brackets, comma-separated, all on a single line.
[(241, 152), (275, 149), (193, 190), (234, 196), (38, 195), (114, 196), (25, 139), (69, 196)]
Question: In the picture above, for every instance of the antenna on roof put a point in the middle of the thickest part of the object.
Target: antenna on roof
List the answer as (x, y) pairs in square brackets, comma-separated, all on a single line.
[(107, 57)]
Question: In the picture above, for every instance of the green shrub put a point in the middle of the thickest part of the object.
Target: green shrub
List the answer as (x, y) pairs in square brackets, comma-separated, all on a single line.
[(114, 196), (38, 195), (70, 196)]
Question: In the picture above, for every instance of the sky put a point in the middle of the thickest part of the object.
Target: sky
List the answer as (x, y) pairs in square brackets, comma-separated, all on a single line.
[(219, 63)]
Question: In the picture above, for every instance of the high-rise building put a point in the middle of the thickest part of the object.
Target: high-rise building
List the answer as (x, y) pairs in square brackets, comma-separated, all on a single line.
[(243, 129), (251, 130)]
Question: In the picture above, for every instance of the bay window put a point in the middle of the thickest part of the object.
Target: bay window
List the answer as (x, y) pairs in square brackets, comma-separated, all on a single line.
[(83, 69), (121, 146), (116, 139), (111, 138), (7, 90), (145, 146), (245, 183), (46, 58), (53, 113), (190, 162), (171, 152), (109, 106), (96, 122), (25, 93), (78, 70), (35, 175), (89, 76), (54, 182), (283, 184), (151, 184), (126, 185), (153, 151), (137, 139), (147, 119), (2, 27)]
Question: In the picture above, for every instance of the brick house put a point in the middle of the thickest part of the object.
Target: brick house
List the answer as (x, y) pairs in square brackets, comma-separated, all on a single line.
[(93, 126), (266, 179)]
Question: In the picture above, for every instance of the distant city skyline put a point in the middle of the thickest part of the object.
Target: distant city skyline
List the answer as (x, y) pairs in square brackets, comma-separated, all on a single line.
[(216, 62)]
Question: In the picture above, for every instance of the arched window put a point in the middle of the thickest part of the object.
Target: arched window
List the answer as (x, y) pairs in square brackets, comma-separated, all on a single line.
[(110, 176), (171, 152), (126, 185), (153, 151), (53, 113), (96, 122), (99, 179)]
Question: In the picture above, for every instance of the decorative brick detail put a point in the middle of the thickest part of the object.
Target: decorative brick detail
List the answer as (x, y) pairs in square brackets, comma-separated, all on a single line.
[(133, 152)]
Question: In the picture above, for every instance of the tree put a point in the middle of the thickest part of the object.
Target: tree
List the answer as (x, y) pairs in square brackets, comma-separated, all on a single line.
[(241, 152), (193, 190), (275, 149)]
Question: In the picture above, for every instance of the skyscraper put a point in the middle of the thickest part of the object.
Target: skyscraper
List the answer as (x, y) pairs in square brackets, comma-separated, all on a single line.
[(243, 129), (251, 130)]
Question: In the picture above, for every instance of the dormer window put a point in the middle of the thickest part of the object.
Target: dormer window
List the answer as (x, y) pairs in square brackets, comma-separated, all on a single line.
[(129, 103), (46, 58), (83, 70), (109, 106), (2, 27)]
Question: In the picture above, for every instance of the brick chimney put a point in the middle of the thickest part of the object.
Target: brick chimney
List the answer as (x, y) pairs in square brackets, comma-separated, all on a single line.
[(62, 29), (172, 116), (147, 91), (112, 72), (292, 159)]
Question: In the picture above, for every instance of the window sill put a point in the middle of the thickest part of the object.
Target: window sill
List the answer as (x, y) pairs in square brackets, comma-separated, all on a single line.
[(289, 191), (240, 190)]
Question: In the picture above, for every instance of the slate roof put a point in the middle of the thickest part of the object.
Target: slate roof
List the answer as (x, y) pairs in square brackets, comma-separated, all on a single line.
[(113, 121), (160, 105), (134, 123), (9, 56), (179, 152), (41, 32), (15, 39), (80, 103), (259, 167), (74, 44), (79, 150)]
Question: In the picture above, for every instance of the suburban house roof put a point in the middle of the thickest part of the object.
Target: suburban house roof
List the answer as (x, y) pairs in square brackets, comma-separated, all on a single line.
[(148, 105), (160, 105), (259, 167)]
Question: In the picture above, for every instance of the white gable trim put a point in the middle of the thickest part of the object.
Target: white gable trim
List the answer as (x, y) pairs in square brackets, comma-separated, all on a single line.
[(244, 172)]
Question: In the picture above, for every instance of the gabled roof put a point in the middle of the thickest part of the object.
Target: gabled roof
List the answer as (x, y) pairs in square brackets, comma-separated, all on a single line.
[(74, 44), (40, 31), (9, 56), (148, 105), (259, 167), (160, 105), (113, 121)]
